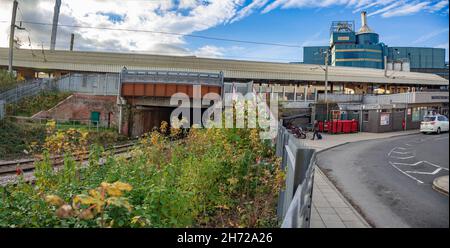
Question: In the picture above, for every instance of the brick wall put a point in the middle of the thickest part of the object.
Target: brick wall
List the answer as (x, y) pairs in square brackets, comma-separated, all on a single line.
[(80, 106)]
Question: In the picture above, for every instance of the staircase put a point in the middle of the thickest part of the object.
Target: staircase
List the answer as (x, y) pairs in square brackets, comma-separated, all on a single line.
[(27, 89)]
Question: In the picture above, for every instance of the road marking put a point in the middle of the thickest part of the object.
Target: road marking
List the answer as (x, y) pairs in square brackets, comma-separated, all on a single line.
[(408, 175), (389, 153), (406, 163), (417, 163), (402, 157), (402, 148), (442, 138), (393, 150), (436, 165), (425, 173), (403, 153)]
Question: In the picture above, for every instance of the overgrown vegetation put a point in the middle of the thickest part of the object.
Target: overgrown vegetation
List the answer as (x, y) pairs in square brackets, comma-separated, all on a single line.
[(7, 80), (211, 178), (19, 139), (29, 106), (16, 138)]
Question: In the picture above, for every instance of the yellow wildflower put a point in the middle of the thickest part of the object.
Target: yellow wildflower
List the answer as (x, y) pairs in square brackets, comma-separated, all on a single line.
[(54, 200)]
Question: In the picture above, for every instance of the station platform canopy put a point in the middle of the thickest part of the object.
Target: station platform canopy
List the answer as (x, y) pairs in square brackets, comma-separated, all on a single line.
[(107, 62)]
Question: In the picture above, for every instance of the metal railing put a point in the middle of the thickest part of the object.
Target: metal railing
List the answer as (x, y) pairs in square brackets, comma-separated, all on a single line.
[(410, 97), (295, 201), (341, 98), (68, 123), (171, 77), (93, 84), (26, 90), (238, 87), (2, 109)]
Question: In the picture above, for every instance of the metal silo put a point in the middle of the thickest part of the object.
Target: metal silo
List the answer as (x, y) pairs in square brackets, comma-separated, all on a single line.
[(365, 35)]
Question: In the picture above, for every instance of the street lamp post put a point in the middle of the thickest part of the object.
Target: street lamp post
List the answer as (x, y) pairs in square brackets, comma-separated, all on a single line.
[(326, 76), (327, 54)]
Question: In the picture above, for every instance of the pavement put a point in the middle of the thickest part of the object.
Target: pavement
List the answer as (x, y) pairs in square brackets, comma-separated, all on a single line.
[(441, 184), (330, 208)]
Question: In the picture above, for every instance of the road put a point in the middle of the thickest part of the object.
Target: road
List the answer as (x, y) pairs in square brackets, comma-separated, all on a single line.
[(390, 180)]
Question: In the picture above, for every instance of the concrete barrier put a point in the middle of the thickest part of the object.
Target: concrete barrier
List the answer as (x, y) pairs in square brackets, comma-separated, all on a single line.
[(295, 201)]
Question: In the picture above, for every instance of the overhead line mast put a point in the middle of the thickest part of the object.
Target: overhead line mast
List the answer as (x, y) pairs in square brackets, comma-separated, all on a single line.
[(55, 24)]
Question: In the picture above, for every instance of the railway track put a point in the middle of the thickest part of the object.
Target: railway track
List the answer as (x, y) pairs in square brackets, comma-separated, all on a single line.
[(9, 169)]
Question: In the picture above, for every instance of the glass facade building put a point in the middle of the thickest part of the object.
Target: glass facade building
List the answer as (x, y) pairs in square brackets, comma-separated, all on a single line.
[(364, 49)]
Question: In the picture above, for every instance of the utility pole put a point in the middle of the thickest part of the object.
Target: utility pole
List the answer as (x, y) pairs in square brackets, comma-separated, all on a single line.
[(55, 24), (11, 35), (326, 75), (385, 66), (327, 54), (72, 37)]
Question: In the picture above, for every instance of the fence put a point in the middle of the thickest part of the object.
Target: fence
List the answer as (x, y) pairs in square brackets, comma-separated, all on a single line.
[(66, 124), (25, 90), (295, 201), (341, 98), (94, 84), (238, 87), (410, 97), (171, 77), (2, 109)]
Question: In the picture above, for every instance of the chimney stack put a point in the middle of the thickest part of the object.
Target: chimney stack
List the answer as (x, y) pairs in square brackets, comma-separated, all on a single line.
[(363, 18), (364, 27)]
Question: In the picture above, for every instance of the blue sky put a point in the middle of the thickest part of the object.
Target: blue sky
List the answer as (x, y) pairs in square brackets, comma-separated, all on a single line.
[(292, 22), (310, 26)]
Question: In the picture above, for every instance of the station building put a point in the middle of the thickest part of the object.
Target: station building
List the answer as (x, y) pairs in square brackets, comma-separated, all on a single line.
[(363, 48), (135, 88)]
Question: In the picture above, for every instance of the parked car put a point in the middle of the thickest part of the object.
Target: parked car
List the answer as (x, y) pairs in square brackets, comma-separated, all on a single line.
[(434, 124)]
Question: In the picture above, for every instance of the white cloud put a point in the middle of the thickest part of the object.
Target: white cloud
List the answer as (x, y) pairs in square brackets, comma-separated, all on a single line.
[(249, 9), (188, 4), (318, 38), (365, 7), (431, 35), (440, 5), (387, 8), (286, 4), (210, 51), (406, 9), (185, 16), (172, 16)]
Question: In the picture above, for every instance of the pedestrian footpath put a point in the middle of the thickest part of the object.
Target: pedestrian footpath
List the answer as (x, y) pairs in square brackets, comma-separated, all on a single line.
[(330, 208), (441, 184)]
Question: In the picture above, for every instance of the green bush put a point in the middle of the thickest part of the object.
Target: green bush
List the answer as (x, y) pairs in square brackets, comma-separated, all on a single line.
[(7, 81), (29, 106), (211, 178), (15, 138)]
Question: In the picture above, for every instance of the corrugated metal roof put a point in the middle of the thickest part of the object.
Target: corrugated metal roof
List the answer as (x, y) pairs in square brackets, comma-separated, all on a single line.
[(114, 62)]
